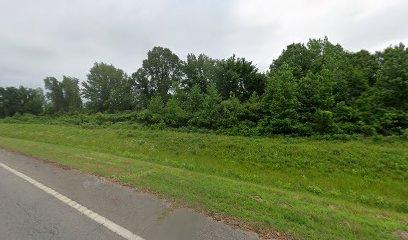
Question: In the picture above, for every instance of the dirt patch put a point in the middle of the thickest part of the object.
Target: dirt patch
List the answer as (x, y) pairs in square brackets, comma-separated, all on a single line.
[(402, 234)]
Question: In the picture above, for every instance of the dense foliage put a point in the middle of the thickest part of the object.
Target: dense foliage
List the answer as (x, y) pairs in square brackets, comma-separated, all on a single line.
[(63, 96), (20, 100), (313, 88)]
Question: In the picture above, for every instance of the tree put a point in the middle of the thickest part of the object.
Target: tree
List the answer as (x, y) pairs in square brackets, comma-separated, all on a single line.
[(175, 113), (365, 66), (211, 108), (161, 73), (316, 92), (9, 101), (71, 94), (20, 100), (391, 88), (315, 95), (281, 102), (385, 105), (2, 103), (303, 59), (122, 96), (142, 88), (31, 100), (108, 89), (230, 112), (63, 96), (198, 71), (154, 112), (297, 56), (54, 94), (336, 69), (195, 99), (239, 77)]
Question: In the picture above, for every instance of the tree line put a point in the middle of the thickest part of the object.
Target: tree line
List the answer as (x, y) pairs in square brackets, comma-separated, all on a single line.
[(312, 88)]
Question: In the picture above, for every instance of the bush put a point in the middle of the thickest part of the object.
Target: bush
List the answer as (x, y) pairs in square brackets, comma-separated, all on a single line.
[(323, 122), (314, 189)]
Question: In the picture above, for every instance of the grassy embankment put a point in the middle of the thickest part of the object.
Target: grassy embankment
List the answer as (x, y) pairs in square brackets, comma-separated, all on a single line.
[(302, 187)]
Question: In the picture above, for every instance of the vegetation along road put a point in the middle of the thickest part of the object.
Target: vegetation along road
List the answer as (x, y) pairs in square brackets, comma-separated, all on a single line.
[(314, 147), (281, 187)]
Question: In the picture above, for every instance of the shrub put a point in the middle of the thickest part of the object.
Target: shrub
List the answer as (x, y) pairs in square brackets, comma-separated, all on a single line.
[(314, 189)]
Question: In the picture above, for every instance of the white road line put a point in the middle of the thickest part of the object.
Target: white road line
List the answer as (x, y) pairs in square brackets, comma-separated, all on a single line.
[(123, 232)]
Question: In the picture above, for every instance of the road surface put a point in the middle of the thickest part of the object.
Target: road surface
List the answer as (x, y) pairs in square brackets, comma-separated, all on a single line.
[(41, 201)]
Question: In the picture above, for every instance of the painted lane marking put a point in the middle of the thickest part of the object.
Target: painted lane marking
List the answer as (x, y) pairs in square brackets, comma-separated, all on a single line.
[(123, 232)]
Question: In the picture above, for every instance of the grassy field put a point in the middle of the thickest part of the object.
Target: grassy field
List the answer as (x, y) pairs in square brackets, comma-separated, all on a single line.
[(304, 188)]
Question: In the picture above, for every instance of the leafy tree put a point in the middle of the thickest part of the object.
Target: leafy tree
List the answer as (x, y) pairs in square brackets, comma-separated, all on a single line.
[(253, 109), (142, 88), (31, 100), (54, 94), (391, 88), (154, 112), (122, 96), (316, 92), (281, 102), (210, 113), (194, 105), (301, 58), (239, 77), (336, 70), (365, 66), (21, 100), (385, 105), (195, 100), (2, 103), (323, 122), (9, 102), (321, 55), (108, 89), (175, 114), (63, 96), (230, 112), (298, 57), (71, 93), (198, 71), (161, 74)]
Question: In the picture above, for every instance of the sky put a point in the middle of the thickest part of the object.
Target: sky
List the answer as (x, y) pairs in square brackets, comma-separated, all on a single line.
[(54, 38)]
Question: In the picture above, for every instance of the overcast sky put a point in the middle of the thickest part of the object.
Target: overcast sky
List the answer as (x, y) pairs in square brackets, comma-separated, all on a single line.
[(65, 37)]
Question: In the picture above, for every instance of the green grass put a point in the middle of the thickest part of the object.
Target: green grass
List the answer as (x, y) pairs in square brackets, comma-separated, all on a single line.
[(303, 187)]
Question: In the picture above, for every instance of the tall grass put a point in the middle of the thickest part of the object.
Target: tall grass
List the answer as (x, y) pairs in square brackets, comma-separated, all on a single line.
[(370, 173)]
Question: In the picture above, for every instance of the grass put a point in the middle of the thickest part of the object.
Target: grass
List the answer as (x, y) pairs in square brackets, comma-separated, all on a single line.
[(302, 187)]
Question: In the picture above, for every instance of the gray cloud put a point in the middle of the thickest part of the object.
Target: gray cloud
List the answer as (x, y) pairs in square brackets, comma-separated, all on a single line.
[(54, 38)]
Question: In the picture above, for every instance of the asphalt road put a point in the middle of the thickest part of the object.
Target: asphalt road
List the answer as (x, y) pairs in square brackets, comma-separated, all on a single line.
[(41, 201)]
